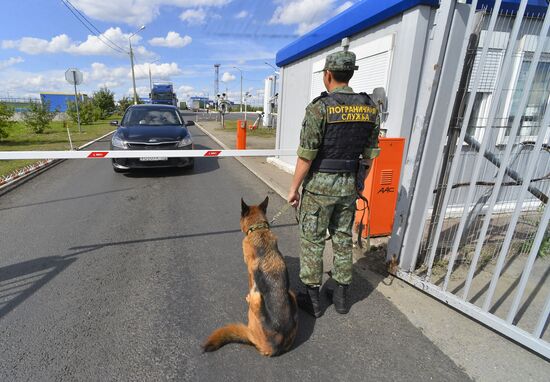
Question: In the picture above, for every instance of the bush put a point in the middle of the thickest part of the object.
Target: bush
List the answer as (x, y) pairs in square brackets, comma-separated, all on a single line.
[(38, 116), (104, 101), (123, 104), (89, 113), (6, 113)]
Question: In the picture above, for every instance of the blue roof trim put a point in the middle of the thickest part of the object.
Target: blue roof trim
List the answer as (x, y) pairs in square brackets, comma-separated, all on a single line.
[(534, 7), (362, 15)]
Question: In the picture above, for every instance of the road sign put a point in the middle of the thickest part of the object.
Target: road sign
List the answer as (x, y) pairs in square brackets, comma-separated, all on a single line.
[(74, 76)]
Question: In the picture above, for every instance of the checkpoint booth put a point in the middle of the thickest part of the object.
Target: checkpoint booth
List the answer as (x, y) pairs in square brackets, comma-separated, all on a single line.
[(389, 39)]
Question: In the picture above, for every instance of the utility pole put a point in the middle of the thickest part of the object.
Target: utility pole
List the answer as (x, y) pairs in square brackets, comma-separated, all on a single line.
[(241, 103), (150, 82), (132, 62), (133, 74), (76, 103), (216, 82)]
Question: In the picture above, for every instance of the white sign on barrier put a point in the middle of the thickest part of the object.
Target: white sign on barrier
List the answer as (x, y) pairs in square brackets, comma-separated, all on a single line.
[(10, 155)]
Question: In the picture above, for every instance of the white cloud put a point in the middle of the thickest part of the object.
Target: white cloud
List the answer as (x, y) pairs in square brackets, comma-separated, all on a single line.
[(32, 45), (193, 16), (100, 72), (343, 7), (185, 91), (172, 40), (228, 77), (29, 85), (142, 91), (93, 45), (307, 14), (10, 61), (158, 71), (136, 12), (241, 15)]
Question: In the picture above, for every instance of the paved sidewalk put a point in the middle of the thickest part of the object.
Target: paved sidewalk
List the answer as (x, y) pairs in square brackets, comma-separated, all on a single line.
[(483, 354)]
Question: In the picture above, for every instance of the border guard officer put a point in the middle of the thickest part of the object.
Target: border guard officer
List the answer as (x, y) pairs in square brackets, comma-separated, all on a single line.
[(339, 128)]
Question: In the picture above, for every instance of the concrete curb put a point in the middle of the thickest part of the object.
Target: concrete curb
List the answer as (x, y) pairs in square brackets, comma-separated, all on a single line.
[(16, 182), (270, 184)]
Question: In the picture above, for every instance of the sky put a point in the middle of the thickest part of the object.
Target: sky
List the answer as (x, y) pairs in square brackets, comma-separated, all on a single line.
[(181, 42)]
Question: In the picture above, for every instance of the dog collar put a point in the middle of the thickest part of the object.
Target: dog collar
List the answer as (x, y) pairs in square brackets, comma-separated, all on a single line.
[(257, 226)]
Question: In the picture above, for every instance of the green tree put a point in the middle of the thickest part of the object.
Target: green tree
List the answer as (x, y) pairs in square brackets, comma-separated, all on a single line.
[(71, 111), (6, 113), (104, 100), (38, 116), (89, 113), (123, 104)]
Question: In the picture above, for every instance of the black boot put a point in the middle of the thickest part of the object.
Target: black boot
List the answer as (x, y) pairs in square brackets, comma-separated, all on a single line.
[(340, 298), (310, 302)]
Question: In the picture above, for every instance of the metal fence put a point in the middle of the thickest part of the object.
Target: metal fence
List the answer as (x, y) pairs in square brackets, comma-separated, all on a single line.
[(19, 104), (484, 242)]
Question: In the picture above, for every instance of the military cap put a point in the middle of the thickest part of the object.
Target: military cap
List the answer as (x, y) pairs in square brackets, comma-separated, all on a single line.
[(340, 62)]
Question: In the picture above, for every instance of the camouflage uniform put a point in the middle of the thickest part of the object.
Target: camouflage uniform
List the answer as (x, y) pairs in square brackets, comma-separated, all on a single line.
[(328, 201)]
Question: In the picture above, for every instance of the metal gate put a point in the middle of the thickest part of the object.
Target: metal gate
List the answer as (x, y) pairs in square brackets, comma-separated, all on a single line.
[(475, 233)]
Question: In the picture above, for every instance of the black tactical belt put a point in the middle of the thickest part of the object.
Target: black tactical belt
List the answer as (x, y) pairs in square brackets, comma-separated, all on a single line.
[(335, 165)]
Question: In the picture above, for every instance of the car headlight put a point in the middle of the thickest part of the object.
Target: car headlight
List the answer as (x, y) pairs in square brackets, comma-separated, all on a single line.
[(119, 142), (186, 141)]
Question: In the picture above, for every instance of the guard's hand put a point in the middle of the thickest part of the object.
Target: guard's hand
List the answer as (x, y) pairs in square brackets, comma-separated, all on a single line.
[(293, 198)]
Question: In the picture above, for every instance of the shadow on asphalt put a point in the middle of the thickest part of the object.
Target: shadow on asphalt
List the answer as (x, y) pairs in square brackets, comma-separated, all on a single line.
[(93, 247), (19, 281), (359, 290), (65, 199), (202, 165)]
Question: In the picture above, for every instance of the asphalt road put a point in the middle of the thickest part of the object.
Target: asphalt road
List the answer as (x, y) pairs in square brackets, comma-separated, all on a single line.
[(251, 116), (106, 276)]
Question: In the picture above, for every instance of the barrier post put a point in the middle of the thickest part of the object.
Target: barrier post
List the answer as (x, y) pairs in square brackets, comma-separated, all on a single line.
[(241, 135)]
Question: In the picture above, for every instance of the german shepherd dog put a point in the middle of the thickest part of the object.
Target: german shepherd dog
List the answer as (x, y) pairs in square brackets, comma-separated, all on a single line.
[(272, 308)]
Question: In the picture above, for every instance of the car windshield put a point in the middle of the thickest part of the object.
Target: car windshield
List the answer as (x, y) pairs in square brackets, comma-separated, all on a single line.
[(151, 117)]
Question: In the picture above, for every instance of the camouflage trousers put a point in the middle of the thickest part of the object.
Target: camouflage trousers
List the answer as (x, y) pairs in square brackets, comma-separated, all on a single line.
[(317, 214)]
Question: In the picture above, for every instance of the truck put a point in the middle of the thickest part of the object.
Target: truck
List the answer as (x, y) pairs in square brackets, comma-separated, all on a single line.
[(195, 105), (163, 93)]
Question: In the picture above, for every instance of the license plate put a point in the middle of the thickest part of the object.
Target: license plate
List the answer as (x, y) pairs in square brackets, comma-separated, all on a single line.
[(153, 159)]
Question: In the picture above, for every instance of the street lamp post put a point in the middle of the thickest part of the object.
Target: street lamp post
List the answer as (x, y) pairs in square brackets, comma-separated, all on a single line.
[(241, 87), (132, 62), (274, 89), (276, 72), (246, 96)]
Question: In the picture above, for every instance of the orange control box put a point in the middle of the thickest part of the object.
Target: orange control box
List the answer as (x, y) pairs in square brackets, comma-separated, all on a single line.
[(381, 188)]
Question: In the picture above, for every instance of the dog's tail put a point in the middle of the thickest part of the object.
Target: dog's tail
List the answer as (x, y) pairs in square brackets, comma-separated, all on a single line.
[(225, 335)]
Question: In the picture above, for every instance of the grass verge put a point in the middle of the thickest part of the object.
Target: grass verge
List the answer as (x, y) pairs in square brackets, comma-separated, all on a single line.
[(54, 138), (260, 132)]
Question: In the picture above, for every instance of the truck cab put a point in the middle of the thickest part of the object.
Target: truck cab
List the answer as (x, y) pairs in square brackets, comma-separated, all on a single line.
[(163, 93)]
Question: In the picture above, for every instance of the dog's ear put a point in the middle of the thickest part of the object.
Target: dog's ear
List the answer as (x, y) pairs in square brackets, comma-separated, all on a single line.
[(263, 206), (244, 208)]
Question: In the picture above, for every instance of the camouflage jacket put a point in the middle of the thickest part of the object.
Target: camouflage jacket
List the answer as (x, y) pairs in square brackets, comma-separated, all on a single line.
[(311, 138)]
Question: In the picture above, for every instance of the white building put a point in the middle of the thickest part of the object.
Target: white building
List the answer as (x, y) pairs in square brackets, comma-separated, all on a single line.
[(392, 40)]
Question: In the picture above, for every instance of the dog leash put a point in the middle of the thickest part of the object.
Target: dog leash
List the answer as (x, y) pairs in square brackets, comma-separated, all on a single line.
[(282, 211)]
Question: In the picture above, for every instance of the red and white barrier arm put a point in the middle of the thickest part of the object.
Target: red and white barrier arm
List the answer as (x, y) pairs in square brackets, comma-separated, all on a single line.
[(10, 155)]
